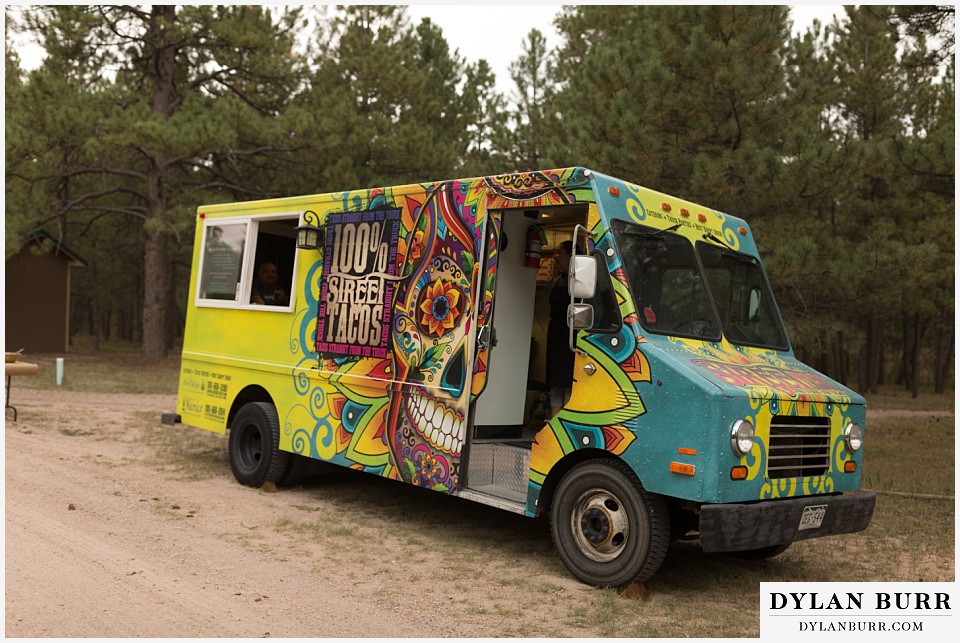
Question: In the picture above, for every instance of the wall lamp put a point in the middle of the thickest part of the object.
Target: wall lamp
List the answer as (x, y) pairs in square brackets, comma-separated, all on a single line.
[(308, 234)]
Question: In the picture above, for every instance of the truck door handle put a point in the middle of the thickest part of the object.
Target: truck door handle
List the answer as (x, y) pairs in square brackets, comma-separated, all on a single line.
[(486, 337)]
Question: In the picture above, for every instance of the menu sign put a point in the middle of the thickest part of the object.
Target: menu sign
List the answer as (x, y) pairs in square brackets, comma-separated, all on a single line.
[(222, 256), (357, 287)]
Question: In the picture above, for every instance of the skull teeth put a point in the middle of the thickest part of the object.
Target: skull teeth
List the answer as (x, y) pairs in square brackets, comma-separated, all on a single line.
[(442, 427)]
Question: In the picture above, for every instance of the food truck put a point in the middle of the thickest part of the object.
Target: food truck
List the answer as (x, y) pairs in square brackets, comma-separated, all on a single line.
[(403, 333)]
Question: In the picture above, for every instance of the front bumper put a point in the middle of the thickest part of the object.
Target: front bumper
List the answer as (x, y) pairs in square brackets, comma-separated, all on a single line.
[(741, 527)]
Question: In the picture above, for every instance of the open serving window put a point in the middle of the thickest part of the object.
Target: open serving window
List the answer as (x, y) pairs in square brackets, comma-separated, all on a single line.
[(248, 262)]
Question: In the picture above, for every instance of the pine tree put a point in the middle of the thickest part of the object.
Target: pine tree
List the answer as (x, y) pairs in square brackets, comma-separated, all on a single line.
[(175, 93), (531, 120), (489, 126)]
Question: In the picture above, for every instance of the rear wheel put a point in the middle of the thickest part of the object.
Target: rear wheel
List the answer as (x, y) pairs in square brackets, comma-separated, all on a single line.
[(608, 531), (254, 446)]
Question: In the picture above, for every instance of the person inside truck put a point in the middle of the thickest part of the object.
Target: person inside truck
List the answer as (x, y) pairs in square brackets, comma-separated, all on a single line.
[(266, 287), (559, 355)]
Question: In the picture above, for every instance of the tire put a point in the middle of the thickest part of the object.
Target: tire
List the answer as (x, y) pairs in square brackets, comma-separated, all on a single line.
[(296, 471), (608, 531), (762, 553), (254, 446)]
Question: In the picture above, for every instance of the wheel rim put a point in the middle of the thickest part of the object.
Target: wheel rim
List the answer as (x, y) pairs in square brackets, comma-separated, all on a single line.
[(600, 525), (250, 447)]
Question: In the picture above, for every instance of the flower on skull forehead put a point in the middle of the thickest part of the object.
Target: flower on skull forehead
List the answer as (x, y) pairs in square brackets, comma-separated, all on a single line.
[(441, 306)]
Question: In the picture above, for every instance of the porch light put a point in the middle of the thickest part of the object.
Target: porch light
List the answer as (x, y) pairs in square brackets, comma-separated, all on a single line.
[(308, 234)]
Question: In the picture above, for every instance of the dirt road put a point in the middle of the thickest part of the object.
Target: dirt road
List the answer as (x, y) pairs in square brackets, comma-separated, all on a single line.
[(106, 536), (119, 526)]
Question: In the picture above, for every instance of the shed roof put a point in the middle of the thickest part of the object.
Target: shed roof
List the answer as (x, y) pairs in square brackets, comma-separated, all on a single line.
[(45, 239)]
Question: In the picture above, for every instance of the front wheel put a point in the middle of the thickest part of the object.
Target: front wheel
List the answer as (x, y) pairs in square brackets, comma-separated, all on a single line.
[(254, 446), (608, 531)]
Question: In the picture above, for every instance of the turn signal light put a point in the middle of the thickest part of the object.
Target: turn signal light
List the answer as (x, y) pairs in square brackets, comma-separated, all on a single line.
[(613, 190), (850, 467), (682, 469), (738, 473)]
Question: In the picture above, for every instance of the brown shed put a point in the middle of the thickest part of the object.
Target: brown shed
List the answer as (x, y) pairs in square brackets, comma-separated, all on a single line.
[(37, 295)]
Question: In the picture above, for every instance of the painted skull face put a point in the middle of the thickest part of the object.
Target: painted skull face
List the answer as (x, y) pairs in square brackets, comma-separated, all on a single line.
[(430, 339)]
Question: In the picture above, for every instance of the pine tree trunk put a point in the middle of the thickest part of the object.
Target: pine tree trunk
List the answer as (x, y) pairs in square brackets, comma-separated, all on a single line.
[(945, 341), (915, 357), (870, 362), (155, 277), (840, 373), (904, 376), (155, 267), (95, 306)]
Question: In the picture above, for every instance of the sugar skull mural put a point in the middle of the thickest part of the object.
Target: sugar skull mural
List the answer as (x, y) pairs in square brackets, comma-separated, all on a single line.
[(431, 330), (397, 403)]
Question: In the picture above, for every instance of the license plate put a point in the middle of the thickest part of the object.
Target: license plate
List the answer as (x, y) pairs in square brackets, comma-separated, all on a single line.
[(812, 517)]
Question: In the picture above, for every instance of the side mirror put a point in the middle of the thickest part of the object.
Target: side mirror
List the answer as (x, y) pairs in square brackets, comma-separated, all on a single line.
[(582, 277), (580, 316)]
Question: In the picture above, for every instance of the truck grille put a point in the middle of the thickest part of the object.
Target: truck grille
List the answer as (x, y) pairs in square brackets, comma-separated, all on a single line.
[(799, 447)]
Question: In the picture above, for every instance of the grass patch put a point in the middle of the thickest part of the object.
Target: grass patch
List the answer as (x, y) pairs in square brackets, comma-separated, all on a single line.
[(898, 398), (118, 369), (188, 452), (897, 449), (74, 433)]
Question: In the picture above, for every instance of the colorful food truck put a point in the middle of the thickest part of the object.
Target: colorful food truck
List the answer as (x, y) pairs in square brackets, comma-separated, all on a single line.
[(402, 331)]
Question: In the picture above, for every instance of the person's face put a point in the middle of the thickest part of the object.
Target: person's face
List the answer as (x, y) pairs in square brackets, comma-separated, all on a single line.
[(267, 274)]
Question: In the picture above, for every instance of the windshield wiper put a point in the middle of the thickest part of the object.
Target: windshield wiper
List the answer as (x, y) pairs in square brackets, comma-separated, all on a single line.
[(670, 229), (712, 237)]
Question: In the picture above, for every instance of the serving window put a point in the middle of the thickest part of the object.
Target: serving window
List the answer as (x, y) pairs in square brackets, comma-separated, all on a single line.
[(249, 262)]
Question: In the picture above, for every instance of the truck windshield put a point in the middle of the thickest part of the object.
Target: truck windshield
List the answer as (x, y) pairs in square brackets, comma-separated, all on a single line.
[(667, 285), (677, 295), (744, 301)]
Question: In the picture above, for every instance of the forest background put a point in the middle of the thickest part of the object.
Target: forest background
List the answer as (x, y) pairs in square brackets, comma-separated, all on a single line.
[(836, 144)]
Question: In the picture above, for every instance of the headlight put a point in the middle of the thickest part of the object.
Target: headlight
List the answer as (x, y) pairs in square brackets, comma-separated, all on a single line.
[(741, 438), (853, 436)]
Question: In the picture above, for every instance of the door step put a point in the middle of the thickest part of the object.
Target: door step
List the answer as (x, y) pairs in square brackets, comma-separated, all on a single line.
[(493, 499), (498, 472)]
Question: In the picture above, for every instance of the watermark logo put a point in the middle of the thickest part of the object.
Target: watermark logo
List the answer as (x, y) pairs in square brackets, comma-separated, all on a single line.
[(923, 611)]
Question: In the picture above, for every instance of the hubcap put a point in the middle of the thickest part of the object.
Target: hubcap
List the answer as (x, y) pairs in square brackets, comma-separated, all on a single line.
[(600, 525), (251, 447)]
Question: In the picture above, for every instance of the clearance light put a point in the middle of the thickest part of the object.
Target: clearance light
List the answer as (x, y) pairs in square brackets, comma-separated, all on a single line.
[(742, 230), (686, 451), (738, 473), (850, 467), (613, 190), (685, 212), (203, 215), (682, 469), (702, 218), (665, 207)]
